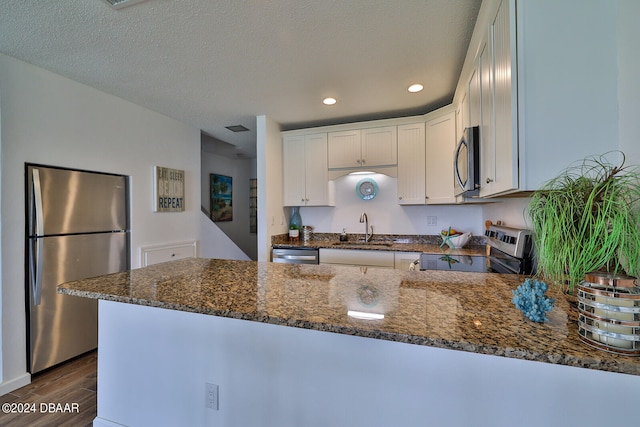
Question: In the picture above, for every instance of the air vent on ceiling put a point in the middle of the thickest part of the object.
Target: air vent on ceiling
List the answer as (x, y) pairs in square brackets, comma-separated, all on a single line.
[(237, 128), (119, 4)]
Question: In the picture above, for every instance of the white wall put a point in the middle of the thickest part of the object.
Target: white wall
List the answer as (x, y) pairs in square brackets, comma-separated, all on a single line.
[(384, 213), (271, 217), (512, 212), (241, 170), (51, 120)]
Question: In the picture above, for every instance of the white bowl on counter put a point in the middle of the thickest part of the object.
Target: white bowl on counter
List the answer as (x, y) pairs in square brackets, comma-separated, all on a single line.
[(459, 241)]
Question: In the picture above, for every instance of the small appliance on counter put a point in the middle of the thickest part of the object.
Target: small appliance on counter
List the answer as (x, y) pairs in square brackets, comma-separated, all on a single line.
[(307, 233)]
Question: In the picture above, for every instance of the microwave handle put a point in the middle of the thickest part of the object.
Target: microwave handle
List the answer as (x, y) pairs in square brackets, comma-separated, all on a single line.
[(456, 172)]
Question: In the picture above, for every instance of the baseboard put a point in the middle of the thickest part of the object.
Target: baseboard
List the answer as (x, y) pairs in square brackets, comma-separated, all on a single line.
[(101, 422), (14, 384)]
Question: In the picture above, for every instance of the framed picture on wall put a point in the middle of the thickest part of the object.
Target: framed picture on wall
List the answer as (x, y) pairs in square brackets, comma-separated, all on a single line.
[(221, 197)]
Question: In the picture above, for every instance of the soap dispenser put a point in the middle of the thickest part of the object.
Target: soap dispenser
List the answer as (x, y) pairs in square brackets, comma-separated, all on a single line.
[(343, 236)]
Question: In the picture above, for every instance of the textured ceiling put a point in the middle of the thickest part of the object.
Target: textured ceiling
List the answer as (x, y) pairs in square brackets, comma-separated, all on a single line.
[(216, 63)]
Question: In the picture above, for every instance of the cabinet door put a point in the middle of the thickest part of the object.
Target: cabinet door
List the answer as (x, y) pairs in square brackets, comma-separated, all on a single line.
[(440, 145), (411, 164), (293, 164), (474, 98), (487, 123), (344, 149), (506, 149), (462, 116), (379, 146), (316, 177)]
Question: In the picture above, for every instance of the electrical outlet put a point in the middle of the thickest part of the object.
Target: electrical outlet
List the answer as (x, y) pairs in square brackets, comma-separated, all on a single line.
[(432, 220), (211, 396)]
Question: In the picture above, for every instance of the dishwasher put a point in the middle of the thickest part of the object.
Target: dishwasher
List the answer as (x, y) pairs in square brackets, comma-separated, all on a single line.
[(295, 256)]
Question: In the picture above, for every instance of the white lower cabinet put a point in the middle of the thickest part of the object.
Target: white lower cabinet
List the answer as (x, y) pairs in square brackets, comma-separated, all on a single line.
[(368, 258), (357, 257), (403, 260)]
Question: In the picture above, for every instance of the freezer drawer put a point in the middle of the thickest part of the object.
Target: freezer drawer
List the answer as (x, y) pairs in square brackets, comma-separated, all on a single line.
[(75, 201)]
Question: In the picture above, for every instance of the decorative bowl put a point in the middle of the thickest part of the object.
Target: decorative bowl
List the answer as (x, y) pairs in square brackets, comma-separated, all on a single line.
[(458, 241)]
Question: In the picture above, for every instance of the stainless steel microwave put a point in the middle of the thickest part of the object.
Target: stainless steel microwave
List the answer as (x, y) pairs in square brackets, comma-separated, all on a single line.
[(466, 163)]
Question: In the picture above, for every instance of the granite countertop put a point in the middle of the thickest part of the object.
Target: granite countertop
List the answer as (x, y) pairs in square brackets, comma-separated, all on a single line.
[(383, 242), (460, 311)]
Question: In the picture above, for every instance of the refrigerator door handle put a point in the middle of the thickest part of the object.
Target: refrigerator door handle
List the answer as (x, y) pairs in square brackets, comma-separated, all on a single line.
[(36, 256), (37, 203), (36, 270)]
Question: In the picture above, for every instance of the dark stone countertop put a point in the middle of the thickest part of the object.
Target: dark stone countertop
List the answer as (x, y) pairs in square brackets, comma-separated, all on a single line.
[(452, 310), (383, 242)]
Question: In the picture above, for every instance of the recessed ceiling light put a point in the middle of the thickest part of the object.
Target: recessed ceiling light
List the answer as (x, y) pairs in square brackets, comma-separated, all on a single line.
[(415, 88), (329, 101)]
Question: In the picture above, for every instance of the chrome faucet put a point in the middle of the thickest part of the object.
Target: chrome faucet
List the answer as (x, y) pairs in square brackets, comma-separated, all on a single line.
[(368, 231)]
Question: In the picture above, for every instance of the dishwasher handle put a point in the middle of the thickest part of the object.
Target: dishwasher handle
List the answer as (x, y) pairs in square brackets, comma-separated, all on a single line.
[(295, 256)]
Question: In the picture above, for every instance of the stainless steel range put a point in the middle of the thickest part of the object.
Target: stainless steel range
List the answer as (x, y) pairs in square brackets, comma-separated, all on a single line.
[(511, 250)]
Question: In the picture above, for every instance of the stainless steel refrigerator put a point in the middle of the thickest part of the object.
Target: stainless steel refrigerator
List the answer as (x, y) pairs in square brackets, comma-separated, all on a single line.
[(77, 227)]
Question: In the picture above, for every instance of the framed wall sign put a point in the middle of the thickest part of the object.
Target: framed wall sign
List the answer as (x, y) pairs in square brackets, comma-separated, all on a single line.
[(168, 189), (221, 197)]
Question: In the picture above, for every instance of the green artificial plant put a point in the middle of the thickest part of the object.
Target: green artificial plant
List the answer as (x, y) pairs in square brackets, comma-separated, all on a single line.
[(587, 220)]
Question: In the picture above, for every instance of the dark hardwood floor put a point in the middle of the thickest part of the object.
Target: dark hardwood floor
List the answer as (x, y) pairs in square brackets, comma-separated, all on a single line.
[(61, 396)]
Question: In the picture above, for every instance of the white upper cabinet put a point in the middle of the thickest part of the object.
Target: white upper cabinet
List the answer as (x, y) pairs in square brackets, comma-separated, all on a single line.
[(462, 116), (294, 170), (425, 160), (528, 136), (363, 148), (344, 149), (440, 145), (380, 146), (473, 96), (411, 164), (499, 142), (306, 181), (505, 103)]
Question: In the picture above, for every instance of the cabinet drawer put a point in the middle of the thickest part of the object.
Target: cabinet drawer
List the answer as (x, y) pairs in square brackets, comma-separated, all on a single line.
[(162, 253)]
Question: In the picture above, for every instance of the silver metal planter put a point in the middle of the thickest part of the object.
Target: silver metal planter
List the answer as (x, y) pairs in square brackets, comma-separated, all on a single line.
[(609, 313)]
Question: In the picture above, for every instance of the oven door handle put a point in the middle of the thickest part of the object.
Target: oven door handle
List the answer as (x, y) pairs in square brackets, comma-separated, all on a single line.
[(493, 259)]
